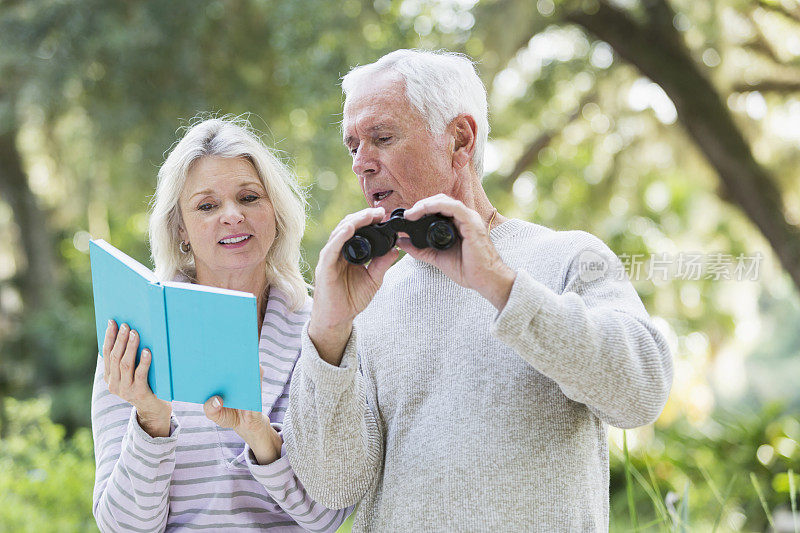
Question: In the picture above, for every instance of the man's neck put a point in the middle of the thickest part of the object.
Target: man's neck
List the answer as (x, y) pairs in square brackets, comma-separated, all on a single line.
[(472, 195)]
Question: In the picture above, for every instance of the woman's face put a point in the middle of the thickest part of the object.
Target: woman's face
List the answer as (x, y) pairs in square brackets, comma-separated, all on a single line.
[(227, 217)]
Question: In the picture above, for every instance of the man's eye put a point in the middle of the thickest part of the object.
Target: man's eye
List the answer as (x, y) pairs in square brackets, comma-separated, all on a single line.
[(384, 139), (205, 207), (353, 150)]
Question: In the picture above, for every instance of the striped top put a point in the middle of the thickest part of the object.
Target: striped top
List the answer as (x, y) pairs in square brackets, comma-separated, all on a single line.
[(203, 476)]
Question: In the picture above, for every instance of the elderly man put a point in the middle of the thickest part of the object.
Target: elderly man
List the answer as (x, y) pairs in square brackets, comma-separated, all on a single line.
[(468, 389)]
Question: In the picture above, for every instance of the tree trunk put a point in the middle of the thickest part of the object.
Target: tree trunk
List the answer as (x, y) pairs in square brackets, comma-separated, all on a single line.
[(38, 275), (658, 51)]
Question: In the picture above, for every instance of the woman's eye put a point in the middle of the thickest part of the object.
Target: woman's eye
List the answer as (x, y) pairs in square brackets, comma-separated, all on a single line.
[(250, 198), (384, 139), (205, 207)]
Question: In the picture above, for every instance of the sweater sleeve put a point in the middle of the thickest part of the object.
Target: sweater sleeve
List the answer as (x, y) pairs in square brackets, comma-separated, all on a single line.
[(595, 339), (331, 433), (133, 470), (283, 486)]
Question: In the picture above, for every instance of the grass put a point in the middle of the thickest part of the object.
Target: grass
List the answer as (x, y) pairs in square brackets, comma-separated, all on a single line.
[(672, 519)]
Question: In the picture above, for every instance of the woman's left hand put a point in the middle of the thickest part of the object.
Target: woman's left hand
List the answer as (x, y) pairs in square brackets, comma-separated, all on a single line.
[(252, 426)]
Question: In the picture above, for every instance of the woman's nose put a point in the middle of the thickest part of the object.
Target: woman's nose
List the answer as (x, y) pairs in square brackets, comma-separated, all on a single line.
[(231, 214)]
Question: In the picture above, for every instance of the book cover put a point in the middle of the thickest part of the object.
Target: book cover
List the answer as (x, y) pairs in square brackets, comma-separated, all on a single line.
[(203, 340), (210, 332), (126, 291)]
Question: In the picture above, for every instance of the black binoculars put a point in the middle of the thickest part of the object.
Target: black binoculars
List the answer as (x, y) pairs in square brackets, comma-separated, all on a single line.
[(375, 240)]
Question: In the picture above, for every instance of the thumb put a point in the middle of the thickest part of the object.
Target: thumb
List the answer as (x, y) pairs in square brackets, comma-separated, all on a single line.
[(217, 413), (426, 255), (379, 265)]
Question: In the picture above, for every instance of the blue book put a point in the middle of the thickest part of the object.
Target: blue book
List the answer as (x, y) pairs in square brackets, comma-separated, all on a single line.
[(203, 340)]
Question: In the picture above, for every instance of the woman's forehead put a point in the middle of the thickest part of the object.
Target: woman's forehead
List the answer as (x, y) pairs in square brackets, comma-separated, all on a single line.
[(217, 175)]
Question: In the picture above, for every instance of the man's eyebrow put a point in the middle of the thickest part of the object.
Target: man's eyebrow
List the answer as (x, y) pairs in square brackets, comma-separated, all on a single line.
[(372, 129)]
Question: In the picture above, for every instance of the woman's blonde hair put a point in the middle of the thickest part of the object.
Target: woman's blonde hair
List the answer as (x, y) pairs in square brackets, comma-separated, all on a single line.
[(231, 137)]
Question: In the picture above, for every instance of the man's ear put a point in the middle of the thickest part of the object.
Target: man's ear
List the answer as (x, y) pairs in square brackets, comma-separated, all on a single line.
[(464, 131)]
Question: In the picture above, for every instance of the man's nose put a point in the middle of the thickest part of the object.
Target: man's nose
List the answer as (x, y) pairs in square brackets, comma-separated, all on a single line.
[(231, 213), (364, 161)]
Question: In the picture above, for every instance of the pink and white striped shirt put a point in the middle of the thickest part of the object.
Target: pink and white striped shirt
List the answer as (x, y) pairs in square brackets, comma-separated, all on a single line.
[(202, 476)]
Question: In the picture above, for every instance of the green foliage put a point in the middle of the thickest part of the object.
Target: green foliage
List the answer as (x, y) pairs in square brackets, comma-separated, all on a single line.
[(681, 480), (96, 92), (46, 479), (738, 478)]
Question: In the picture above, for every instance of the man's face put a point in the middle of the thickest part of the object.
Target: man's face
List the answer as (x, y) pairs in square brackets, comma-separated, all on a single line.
[(396, 159)]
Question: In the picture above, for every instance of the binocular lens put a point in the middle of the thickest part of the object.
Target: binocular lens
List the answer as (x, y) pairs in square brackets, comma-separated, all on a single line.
[(357, 250), (440, 235)]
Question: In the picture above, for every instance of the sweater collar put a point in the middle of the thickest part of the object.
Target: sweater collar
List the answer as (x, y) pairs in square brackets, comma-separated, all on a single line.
[(279, 344), (499, 233)]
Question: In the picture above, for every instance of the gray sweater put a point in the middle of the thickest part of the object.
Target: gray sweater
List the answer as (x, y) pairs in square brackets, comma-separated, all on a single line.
[(446, 415)]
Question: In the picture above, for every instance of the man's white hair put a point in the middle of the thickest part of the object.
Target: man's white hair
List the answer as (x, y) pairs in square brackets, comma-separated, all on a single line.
[(230, 137), (440, 85)]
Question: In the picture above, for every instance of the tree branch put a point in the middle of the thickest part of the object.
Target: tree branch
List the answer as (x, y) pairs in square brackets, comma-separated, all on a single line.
[(760, 44), (778, 7), (768, 86), (666, 60), (541, 142)]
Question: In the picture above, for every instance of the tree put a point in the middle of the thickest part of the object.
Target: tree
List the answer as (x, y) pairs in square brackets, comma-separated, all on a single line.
[(646, 36)]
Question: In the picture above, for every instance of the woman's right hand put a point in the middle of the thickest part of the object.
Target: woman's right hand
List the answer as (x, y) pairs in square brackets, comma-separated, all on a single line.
[(343, 290), (128, 380)]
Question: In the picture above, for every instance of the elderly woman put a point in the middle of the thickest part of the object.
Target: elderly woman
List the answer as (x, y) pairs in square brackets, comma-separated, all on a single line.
[(226, 213)]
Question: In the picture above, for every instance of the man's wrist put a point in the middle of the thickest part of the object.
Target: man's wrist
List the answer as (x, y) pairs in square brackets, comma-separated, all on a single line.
[(498, 286), (330, 342)]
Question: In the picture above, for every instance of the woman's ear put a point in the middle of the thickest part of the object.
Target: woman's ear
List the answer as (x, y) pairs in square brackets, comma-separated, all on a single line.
[(464, 131)]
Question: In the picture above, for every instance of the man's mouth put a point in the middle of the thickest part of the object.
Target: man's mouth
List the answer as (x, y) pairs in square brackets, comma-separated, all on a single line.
[(236, 239), (382, 195)]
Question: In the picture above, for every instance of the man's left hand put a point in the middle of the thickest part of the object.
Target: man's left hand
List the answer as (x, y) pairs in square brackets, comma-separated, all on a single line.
[(474, 262)]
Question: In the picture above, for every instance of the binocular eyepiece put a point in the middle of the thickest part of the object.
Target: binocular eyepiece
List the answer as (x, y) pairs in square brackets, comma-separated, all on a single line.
[(435, 231)]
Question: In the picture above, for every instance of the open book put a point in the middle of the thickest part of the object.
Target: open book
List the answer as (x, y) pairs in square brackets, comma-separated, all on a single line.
[(203, 340)]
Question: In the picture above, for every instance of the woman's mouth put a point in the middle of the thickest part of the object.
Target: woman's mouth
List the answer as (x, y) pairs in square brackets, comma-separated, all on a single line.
[(235, 241)]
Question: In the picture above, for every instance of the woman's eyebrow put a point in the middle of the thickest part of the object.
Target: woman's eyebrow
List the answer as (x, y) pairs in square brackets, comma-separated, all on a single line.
[(256, 184), (204, 192)]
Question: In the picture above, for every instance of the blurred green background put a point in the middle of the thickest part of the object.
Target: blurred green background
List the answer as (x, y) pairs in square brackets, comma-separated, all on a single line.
[(670, 129)]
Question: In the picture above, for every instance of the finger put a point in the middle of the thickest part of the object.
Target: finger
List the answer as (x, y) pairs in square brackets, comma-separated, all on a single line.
[(127, 364), (108, 343), (331, 253), (467, 221), (423, 254), (357, 220), (140, 376), (440, 203), (367, 216), (218, 413), (379, 265), (116, 355)]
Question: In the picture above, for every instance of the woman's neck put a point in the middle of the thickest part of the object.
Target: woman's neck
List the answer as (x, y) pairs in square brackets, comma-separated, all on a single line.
[(254, 282)]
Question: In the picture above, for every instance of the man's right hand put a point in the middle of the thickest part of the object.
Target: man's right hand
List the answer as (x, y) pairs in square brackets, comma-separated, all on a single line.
[(342, 290), (128, 380)]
